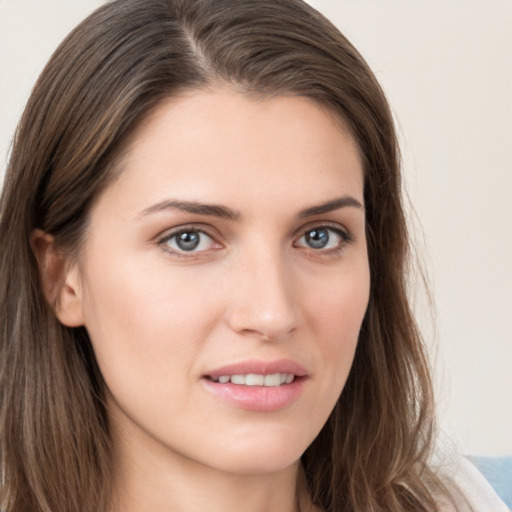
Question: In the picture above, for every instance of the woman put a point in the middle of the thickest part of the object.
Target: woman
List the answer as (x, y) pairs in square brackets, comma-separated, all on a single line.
[(203, 282)]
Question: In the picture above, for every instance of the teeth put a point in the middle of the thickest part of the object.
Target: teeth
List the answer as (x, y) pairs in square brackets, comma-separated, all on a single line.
[(238, 379), (254, 379), (273, 380)]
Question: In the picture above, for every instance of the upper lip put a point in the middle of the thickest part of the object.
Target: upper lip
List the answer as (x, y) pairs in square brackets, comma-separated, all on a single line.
[(259, 367)]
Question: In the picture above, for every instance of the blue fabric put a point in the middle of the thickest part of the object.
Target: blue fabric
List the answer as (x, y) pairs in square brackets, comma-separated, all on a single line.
[(498, 472)]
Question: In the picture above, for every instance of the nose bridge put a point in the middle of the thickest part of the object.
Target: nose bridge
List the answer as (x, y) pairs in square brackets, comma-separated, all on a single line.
[(263, 303)]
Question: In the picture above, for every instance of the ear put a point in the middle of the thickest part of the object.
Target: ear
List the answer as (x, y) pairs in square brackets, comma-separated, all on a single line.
[(60, 279)]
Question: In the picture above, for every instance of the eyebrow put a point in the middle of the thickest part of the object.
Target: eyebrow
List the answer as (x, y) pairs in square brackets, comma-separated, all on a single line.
[(193, 207), (224, 212), (330, 206)]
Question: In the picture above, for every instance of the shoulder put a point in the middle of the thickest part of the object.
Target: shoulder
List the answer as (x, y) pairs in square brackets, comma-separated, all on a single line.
[(471, 485)]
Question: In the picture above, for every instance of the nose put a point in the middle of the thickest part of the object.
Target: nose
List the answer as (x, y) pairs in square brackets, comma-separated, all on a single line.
[(263, 302)]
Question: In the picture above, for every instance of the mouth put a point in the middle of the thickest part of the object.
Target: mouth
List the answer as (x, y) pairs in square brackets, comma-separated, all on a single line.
[(254, 379), (258, 385)]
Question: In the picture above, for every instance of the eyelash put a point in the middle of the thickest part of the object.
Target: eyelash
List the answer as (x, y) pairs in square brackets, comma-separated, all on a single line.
[(164, 241), (345, 239)]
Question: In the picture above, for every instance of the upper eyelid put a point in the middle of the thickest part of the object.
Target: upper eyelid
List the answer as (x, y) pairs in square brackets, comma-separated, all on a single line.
[(335, 226), (171, 232), (338, 232)]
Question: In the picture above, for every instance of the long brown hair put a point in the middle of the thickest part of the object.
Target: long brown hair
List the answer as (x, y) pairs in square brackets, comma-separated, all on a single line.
[(108, 74)]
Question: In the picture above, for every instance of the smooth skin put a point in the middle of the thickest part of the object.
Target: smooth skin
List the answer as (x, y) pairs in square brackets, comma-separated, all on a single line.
[(170, 290)]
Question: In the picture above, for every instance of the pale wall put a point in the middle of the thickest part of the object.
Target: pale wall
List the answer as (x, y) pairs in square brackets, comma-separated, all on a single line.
[(447, 69)]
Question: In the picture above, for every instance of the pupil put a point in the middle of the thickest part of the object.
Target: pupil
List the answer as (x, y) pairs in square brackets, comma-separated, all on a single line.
[(317, 238), (188, 240)]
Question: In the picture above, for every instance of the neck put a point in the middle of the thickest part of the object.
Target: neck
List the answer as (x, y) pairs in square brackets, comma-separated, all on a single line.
[(151, 480), (199, 491)]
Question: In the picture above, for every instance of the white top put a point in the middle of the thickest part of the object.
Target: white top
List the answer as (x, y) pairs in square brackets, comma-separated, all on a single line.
[(477, 490)]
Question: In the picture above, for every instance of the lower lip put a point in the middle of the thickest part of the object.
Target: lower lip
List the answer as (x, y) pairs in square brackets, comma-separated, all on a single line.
[(257, 398)]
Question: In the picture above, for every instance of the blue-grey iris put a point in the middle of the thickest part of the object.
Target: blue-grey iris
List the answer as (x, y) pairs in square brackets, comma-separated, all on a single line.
[(188, 240), (317, 238)]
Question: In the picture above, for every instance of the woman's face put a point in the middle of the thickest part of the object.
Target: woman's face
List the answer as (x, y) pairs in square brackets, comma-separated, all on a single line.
[(224, 279)]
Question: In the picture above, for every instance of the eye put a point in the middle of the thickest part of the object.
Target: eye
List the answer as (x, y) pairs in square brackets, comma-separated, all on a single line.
[(188, 241), (323, 238)]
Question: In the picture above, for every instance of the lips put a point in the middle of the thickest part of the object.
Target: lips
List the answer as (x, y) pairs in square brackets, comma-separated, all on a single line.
[(257, 385), (258, 367), (254, 379)]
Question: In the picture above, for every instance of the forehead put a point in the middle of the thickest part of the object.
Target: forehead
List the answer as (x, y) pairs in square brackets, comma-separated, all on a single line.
[(224, 144)]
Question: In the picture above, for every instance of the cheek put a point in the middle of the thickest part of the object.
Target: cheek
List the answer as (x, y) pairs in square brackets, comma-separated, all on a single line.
[(336, 313), (145, 320), (337, 309)]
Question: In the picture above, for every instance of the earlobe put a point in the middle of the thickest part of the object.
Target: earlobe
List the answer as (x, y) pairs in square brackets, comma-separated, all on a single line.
[(60, 280)]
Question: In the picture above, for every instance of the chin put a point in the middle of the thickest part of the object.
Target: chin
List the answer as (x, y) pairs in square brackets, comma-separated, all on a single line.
[(260, 453), (247, 465)]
